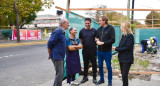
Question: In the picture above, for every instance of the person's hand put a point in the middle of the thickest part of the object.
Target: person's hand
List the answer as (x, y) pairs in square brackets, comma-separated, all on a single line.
[(76, 47), (113, 48), (100, 43), (96, 39), (49, 57)]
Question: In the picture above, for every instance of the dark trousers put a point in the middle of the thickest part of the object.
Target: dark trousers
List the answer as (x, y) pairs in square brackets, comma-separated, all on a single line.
[(70, 78), (124, 71), (144, 45), (93, 59), (59, 68)]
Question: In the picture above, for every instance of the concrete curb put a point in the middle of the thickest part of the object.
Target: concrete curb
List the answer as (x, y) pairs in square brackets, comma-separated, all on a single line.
[(20, 44)]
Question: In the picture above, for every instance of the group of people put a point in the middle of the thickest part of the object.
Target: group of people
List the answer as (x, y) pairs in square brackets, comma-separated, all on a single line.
[(88, 40)]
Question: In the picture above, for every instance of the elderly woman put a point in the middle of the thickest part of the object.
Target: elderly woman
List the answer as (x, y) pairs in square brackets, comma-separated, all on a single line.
[(72, 58), (125, 51)]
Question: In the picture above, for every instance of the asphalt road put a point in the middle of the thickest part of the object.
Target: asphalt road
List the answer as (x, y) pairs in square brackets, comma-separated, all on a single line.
[(25, 66)]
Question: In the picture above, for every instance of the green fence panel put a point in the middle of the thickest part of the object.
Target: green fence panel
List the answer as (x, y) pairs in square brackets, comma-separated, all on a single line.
[(7, 33), (142, 34), (77, 21), (117, 35)]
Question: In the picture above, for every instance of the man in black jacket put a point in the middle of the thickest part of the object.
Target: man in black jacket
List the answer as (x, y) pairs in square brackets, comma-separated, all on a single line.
[(105, 39)]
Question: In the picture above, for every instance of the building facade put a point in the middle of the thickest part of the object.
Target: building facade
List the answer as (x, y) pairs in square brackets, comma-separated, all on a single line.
[(46, 23)]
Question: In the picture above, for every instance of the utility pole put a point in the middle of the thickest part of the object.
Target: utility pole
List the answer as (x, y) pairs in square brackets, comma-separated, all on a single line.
[(67, 9), (128, 12), (132, 12)]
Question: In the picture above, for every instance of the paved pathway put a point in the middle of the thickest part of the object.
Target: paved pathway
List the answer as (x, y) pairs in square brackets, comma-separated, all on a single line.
[(116, 82)]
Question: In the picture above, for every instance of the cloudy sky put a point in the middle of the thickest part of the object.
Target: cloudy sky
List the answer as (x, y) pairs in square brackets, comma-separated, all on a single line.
[(139, 4)]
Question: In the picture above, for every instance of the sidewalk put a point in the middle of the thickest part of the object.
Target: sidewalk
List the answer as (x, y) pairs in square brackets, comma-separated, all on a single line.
[(116, 82), (11, 43)]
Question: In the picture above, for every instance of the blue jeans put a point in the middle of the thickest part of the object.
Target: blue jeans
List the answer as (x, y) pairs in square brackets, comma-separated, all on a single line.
[(107, 57), (142, 48)]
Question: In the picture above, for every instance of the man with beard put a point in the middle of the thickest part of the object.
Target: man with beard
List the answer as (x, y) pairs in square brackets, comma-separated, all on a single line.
[(87, 36)]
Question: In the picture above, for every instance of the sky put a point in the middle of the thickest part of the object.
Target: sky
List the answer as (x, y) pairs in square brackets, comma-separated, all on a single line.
[(139, 4)]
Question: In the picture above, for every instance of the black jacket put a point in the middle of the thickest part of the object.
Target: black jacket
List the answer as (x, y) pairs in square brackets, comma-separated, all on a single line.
[(107, 36), (125, 49)]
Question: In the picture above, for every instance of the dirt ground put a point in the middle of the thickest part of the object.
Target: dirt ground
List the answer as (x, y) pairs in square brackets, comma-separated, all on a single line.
[(143, 62), (153, 59)]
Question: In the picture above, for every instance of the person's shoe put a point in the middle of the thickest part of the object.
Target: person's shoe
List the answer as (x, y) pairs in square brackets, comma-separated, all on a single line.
[(68, 84), (99, 82), (74, 83), (94, 80), (84, 79), (109, 84)]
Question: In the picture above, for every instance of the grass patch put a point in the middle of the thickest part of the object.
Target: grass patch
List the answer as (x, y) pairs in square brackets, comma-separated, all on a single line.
[(115, 62), (139, 64), (144, 63)]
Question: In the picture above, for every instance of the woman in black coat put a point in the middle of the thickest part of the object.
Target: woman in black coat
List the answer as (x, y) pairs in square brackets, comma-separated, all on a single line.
[(125, 51)]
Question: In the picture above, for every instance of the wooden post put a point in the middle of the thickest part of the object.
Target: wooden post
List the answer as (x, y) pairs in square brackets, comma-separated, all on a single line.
[(68, 5), (67, 9), (152, 19)]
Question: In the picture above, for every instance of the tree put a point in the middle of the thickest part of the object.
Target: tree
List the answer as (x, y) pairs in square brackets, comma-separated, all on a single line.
[(20, 12), (96, 14), (156, 15), (28, 20), (3, 21), (115, 18)]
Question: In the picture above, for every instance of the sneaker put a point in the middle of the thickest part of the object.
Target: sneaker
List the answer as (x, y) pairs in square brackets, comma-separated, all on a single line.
[(68, 84), (84, 79), (120, 75), (74, 83), (99, 82), (94, 80)]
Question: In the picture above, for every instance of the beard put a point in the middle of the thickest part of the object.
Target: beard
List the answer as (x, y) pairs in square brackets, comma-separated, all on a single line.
[(88, 26)]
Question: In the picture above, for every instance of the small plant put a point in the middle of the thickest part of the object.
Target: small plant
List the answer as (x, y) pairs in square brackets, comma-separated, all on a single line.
[(115, 62), (139, 64), (144, 63), (132, 67)]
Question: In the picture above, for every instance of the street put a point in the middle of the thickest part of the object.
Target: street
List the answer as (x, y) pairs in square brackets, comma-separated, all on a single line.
[(25, 66)]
